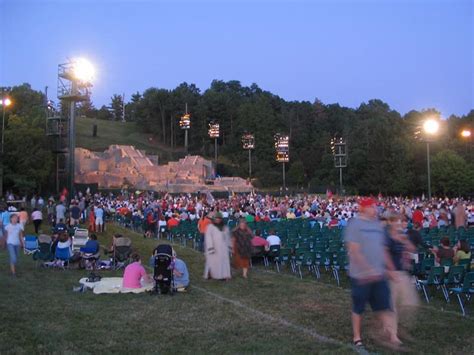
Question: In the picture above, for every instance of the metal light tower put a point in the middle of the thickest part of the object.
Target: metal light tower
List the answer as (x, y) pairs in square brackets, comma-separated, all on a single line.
[(339, 151), (430, 127), (214, 132), (248, 143), (282, 149), (5, 102), (74, 83), (185, 123)]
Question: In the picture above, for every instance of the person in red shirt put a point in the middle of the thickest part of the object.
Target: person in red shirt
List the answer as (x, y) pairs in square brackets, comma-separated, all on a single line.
[(173, 222), (418, 216), (258, 241)]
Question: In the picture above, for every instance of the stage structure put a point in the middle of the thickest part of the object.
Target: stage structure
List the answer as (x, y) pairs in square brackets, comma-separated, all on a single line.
[(282, 149)]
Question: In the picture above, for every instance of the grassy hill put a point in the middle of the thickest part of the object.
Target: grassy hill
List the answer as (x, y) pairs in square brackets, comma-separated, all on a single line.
[(126, 133)]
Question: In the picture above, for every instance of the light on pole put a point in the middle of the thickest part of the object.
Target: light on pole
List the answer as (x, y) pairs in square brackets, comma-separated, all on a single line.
[(214, 131), (5, 102), (282, 149), (74, 82), (339, 151), (466, 135), (430, 127), (185, 123), (248, 143)]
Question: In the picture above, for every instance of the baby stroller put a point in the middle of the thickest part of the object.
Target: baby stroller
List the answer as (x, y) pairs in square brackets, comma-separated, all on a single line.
[(163, 270)]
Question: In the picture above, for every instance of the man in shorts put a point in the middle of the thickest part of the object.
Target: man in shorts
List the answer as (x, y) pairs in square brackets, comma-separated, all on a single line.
[(365, 242), (99, 218)]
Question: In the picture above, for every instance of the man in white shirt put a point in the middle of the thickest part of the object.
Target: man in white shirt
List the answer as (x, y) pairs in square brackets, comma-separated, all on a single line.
[(273, 239)]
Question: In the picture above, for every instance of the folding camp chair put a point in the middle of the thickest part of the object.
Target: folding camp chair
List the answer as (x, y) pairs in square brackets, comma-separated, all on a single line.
[(452, 279), (30, 246), (64, 255), (467, 290), (79, 238), (435, 278)]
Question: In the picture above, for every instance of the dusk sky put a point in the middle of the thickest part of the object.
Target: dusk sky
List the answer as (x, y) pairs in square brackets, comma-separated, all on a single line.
[(413, 54)]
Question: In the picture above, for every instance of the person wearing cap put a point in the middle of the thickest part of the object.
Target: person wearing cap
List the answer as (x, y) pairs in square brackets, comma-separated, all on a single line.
[(368, 258), (216, 249)]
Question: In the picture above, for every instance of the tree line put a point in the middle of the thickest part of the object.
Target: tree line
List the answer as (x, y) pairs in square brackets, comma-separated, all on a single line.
[(386, 152)]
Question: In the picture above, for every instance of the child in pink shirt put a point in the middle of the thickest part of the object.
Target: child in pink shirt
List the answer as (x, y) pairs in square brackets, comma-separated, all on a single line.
[(134, 273)]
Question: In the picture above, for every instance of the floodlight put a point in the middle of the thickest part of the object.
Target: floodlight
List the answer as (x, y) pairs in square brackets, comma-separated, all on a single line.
[(465, 133), (83, 70), (431, 126)]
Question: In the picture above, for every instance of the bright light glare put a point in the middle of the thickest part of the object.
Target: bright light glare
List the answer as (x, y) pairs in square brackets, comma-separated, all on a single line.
[(431, 126), (466, 133), (83, 70), (6, 102)]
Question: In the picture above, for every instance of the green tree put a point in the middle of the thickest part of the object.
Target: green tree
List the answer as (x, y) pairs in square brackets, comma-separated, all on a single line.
[(451, 175), (117, 107)]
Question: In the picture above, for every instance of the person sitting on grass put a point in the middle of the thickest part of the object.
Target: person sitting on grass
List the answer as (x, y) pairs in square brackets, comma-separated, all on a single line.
[(181, 274), (135, 273)]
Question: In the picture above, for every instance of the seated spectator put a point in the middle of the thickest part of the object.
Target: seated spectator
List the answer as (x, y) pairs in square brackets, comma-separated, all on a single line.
[(92, 245), (135, 273), (273, 239), (462, 251), (180, 272), (173, 222), (258, 241), (444, 253)]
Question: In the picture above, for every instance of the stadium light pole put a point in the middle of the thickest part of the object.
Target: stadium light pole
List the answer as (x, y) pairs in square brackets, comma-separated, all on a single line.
[(185, 123), (282, 148), (214, 132), (466, 134), (431, 127), (74, 80), (5, 103), (248, 143)]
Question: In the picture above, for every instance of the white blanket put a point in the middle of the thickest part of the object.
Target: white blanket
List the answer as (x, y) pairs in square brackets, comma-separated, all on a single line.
[(113, 285)]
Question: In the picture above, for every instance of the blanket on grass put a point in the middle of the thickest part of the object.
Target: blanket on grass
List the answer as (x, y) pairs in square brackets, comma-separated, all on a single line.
[(113, 285)]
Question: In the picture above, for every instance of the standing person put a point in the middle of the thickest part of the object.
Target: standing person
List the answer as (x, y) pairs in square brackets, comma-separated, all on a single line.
[(460, 215), (202, 227), (92, 219), (60, 212), (242, 246), (37, 218), (23, 217), (51, 212), (3, 213), (75, 214), (14, 238), (403, 293), (365, 243), (99, 218), (217, 245)]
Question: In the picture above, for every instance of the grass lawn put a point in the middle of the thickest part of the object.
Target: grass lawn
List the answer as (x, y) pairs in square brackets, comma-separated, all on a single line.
[(268, 313), (113, 132)]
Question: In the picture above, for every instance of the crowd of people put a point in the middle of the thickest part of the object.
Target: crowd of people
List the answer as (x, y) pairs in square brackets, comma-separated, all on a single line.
[(378, 242)]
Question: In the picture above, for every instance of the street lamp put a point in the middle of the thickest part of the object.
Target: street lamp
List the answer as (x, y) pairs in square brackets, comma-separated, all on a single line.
[(5, 102), (214, 134), (282, 149), (430, 127), (248, 143), (466, 134)]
